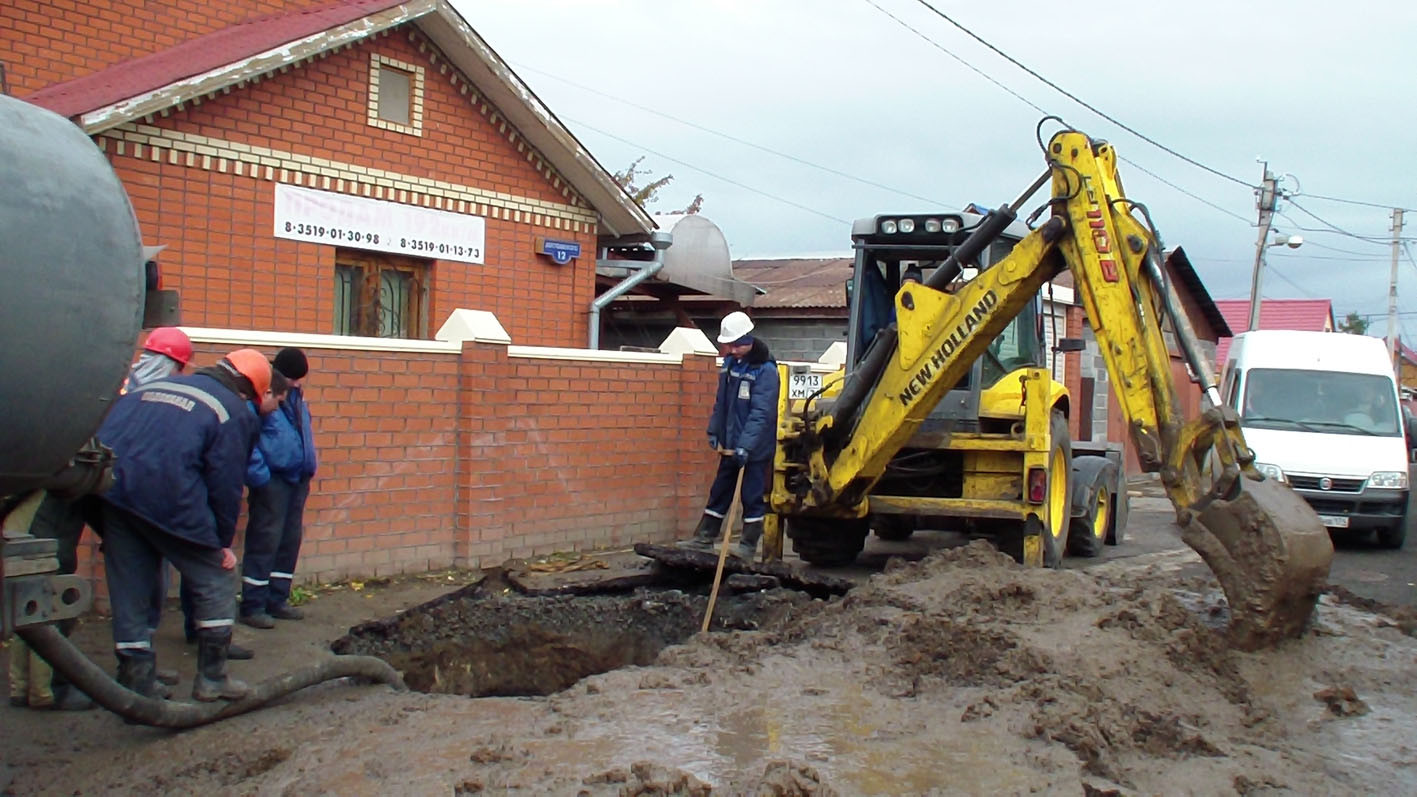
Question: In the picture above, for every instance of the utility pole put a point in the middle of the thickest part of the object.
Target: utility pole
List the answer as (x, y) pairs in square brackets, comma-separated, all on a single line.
[(1266, 197), (1392, 292)]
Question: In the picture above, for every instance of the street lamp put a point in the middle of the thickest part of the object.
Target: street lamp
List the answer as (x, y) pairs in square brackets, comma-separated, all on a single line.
[(1291, 241)]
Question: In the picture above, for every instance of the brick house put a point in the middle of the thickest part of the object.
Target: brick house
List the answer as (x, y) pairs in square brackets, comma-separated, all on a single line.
[(360, 167), (226, 121)]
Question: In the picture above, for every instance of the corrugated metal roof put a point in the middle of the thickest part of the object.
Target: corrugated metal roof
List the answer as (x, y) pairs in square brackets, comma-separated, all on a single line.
[(197, 56), (1311, 315), (815, 282)]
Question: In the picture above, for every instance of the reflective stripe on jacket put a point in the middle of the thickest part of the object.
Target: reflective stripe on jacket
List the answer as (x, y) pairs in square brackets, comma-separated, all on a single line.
[(182, 446)]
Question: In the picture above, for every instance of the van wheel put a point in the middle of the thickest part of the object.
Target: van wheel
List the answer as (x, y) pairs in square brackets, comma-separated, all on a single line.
[(1395, 535)]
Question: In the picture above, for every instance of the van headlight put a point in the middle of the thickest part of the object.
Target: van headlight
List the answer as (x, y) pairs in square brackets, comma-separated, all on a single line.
[(1390, 479), (1271, 472)]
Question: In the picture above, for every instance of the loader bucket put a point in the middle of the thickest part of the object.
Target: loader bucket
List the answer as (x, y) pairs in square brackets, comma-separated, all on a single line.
[(1271, 554)]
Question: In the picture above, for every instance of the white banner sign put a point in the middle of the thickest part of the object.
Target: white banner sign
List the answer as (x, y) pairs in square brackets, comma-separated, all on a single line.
[(325, 217)]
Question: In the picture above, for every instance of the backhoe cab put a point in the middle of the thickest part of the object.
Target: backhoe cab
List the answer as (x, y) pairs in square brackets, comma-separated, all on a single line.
[(945, 417)]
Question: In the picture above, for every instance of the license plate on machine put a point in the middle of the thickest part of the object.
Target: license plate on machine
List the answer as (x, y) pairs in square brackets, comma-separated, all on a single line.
[(803, 385), (1334, 521)]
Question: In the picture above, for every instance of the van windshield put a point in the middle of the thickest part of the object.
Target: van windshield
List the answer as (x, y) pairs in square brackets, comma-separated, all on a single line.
[(1331, 402)]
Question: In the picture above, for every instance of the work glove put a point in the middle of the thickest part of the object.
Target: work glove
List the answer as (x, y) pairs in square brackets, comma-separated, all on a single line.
[(713, 442), (740, 457)]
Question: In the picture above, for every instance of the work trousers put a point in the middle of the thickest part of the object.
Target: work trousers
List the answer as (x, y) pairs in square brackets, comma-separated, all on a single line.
[(274, 528), (133, 554), (755, 481)]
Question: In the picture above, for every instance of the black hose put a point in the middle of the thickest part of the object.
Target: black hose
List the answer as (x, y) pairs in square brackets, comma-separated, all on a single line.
[(90, 679)]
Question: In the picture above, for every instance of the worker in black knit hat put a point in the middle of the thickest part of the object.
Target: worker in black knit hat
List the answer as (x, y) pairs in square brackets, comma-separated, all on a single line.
[(277, 510)]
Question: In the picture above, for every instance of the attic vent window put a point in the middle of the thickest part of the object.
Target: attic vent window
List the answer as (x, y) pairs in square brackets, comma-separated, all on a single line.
[(395, 95)]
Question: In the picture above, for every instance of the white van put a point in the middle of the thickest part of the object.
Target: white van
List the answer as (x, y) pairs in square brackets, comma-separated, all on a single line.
[(1320, 410)]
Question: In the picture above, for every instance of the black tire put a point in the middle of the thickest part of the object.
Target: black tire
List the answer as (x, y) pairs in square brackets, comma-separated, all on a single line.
[(1395, 535), (893, 528), (1055, 539), (827, 542), (1094, 479)]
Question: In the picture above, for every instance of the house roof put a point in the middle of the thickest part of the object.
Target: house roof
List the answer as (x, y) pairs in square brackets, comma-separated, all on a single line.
[(195, 56), (1180, 267), (220, 60), (808, 282), (1312, 315)]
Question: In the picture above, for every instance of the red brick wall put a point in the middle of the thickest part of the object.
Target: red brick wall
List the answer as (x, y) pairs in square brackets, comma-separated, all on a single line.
[(233, 273), (428, 460), (38, 38)]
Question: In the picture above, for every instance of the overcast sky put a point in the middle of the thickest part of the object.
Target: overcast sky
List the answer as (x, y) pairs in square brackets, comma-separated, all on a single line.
[(1323, 91)]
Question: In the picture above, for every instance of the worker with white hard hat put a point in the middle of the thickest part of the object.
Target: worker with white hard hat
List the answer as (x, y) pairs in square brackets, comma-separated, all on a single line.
[(743, 429)]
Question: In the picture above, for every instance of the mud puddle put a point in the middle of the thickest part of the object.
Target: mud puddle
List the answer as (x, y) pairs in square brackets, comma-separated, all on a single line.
[(489, 641)]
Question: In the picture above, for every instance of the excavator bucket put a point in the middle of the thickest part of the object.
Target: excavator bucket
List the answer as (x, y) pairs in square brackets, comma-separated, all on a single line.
[(1271, 554)]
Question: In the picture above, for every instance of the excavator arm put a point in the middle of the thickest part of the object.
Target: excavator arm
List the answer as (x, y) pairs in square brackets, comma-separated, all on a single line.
[(1266, 546)]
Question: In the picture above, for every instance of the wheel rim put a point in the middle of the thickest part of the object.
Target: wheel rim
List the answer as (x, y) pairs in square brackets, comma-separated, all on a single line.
[(1057, 494), (1101, 514)]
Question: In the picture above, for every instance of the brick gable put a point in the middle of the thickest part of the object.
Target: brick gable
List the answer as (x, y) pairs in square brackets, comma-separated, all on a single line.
[(202, 180)]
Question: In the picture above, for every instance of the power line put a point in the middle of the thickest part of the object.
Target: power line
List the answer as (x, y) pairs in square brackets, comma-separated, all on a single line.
[(714, 175), (1332, 227), (966, 64), (1078, 100), (1351, 201), (737, 140), (1035, 106), (1196, 197)]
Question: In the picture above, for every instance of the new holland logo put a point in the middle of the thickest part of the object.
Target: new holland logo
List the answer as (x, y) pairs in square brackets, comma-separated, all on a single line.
[(962, 333)]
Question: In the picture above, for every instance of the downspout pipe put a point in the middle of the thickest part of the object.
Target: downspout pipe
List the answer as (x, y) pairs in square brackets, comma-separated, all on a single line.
[(660, 240)]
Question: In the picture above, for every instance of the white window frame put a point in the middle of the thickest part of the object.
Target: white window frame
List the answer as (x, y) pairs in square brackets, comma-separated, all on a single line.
[(415, 98)]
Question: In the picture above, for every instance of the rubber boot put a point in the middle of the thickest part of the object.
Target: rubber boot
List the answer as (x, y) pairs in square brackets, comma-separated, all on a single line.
[(19, 673), (68, 698), (705, 535), (212, 683), (167, 676), (747, 547), (137, 672), (40, 694)]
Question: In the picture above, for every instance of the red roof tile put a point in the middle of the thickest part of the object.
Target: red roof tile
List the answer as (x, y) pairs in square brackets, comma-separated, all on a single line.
[(227, 46), (1311, 315)]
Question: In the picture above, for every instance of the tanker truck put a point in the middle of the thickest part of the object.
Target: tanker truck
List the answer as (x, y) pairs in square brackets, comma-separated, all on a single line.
[(79, 288)]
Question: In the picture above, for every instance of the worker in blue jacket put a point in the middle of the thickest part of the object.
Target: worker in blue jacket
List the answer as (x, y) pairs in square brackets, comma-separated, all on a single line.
[(182, 445), (280, 454), (277, 511), (743, 429)]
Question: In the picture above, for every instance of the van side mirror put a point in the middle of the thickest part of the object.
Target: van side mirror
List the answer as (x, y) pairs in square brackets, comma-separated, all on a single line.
[(1070, 344)]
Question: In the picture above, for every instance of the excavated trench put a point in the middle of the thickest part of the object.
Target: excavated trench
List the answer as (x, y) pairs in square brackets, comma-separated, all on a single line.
[(488, 640)]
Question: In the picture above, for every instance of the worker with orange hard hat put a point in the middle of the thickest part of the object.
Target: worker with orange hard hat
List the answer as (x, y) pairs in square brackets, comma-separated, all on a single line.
[(182, 445)]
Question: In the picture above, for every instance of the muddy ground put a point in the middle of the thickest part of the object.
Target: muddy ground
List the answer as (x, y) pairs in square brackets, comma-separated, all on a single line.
[(959, 674)]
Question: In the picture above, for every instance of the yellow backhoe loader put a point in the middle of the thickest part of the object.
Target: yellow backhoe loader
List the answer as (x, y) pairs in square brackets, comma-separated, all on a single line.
[(899, 443)]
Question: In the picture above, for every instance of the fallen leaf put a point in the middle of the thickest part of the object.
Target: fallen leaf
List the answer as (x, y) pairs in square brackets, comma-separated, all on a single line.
[(356, 585)]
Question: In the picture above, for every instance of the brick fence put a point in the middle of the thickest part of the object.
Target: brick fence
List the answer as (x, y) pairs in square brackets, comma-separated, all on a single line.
[(464, 453)]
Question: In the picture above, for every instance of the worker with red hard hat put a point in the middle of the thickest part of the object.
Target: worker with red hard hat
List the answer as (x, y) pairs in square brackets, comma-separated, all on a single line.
[(182, 445), (166, 351)]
